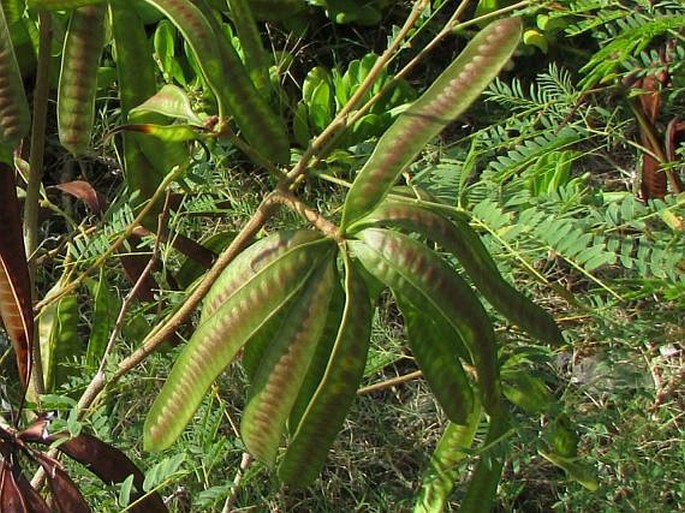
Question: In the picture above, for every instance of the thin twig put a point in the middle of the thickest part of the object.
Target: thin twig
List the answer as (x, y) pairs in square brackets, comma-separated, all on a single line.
[(405, 378), (313, 216), (167, 327), (130, 229), (35, 178), (230, 500)]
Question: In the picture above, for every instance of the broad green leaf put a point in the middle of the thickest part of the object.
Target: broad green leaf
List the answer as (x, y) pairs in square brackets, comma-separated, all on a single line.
[(456, 236), (105, 309), (78, 77), (325, 414), (450, 95), (284, 364), (170, 101), (164, 41), (250, 262), (14, 110), (526, 391), (436, 349), (59, 339), (321, 357), (562, 437), (416, 273), (256, 59), (166, 133), (221, 335)]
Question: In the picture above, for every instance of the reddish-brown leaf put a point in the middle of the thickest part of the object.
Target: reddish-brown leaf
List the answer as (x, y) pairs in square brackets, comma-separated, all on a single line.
[(650, 100), (35, 502), (654, 181), (107, 462), (15, 287), (82, 190), (65, 493), (11, 498), (112, 466)]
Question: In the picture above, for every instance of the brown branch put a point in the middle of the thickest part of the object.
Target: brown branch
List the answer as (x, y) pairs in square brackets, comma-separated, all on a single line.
[(399, 380)]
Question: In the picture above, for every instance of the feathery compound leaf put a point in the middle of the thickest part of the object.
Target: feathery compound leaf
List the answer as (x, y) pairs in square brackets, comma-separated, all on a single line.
[(284, 364), (14, 109), (416, 273), (436, 348), (450, 95), (327, 409), (442, 472), (456, 236), (218, 339), (15, 287), (78, 77)]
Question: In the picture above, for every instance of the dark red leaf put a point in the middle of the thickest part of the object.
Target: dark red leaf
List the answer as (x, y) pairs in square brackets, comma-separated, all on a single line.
[(650, 100), (654, 180), (11, 498), (82, 190), (107, 462), (15, 287), (112, 466), (65, 493), (35, 502)]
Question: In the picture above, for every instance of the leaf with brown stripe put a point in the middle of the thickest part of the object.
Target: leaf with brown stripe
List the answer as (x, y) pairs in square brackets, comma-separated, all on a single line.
[(15, 286)]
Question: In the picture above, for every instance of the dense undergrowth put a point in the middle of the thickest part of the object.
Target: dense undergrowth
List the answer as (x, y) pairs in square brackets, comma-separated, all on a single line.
[(554, 167)]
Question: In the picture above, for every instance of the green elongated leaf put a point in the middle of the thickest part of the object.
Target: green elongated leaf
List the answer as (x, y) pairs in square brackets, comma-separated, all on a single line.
[(574, 468), (443, 470), (219, 338), (198, 33), (170, 101), (255, 348), (251, 262), (416, 273), (61, 5), (147, 159), (164, 41), (256, 60), (167, 133), (59, 340), (325, 414), (15, 287), (482, 488), (284, 364), (450, 95), (14, 110), (78, 77), (526, 391), (321, 357), (436, 351), (105, 308), (136, 68), (226, 76), (456, 236)]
